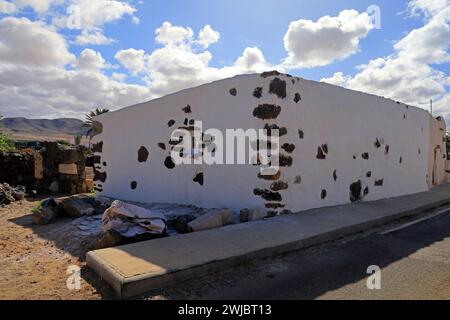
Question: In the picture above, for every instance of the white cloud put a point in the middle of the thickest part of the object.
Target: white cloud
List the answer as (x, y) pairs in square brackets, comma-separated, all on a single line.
[(311, 44), (135, 20), (31, 43), (408, 74), (91, 14), (133, 60), (36, 78), (95, 37), (119, 76), (180, 63), (208, 36), (168, 34), (90, 60), (7, 7)]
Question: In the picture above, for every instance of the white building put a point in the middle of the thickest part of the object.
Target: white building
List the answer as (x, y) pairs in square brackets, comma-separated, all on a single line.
[(337, 146)]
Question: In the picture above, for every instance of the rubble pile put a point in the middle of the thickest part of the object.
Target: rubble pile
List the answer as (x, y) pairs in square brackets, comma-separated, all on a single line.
[(10, 194)]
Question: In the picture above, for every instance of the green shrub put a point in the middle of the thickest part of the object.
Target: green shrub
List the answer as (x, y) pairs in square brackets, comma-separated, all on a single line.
[(63, 142), (6, 144)]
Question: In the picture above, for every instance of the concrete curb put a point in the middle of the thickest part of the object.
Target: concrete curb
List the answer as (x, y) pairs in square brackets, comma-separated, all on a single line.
[(136, 268)]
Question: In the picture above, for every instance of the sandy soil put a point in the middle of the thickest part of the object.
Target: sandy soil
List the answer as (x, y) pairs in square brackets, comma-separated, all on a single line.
[(34, 259)]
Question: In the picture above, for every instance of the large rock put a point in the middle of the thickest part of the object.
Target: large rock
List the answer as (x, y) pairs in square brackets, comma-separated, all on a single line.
[(77, 206), (44, 216), (131, 221), (180, 223), (47, 213)]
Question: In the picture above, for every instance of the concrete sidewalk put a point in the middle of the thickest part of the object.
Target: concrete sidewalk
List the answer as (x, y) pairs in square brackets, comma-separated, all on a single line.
[(136, 268)]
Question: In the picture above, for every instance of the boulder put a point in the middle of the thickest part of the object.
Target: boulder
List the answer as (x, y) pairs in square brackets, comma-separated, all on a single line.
[(109, 239), (77, 206), (180, 223), (130, 220), (44, 216)]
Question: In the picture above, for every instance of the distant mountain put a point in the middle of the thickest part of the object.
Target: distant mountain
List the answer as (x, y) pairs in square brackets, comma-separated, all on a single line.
[(23, 127)]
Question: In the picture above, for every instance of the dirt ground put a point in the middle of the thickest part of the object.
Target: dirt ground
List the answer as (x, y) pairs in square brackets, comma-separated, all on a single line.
[(34, 259)]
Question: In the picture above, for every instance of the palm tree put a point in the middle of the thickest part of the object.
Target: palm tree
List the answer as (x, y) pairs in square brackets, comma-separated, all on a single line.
[(90, 120)]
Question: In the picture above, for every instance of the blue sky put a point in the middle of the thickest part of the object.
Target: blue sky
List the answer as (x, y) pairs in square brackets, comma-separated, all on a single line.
[(60, 73)]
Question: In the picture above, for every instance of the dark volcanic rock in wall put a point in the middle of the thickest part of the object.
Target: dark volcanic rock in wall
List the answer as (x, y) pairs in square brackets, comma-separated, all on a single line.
[(187, 109), (169, 163), (99, 176), (270, 73), (199, 178), (279, 185), (133, 185), (142, 154), (267, 111), (320, 155), (257, 93), (268, 195), (162, 145), (170, 123), (378, 182), (278, 87), (288, 147), (233, 91), (297, 97), (97, 147), (355, 191)]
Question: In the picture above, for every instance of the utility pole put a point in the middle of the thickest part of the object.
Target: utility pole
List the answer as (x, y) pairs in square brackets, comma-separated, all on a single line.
[(431, 107)]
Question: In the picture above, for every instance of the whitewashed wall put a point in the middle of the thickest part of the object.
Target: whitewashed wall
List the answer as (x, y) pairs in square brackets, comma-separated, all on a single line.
[(347, 122)]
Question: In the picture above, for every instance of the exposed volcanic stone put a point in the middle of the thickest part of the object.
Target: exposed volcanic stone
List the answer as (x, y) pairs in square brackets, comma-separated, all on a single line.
[(257, 93), (267, 111), (142, 154), (355, 191), (278, 87), (187, 109)]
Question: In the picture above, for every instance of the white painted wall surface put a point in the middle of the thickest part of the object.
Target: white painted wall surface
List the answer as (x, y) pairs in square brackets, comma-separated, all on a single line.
[(349, 122)]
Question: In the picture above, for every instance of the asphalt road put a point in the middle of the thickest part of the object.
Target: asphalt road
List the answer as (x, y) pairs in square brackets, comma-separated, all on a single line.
[(414, 263)]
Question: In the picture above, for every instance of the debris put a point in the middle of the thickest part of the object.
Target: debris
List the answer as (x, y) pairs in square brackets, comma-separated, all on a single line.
[(247, 215), (130, 220), (213, 219), (10, 194)]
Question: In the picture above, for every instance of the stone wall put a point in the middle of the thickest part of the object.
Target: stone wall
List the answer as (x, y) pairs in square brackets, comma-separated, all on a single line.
[(22, 167), (55, 168), (64, 168)]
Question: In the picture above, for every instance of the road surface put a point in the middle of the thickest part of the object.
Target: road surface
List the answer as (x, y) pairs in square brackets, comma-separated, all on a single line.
[(414, 263)]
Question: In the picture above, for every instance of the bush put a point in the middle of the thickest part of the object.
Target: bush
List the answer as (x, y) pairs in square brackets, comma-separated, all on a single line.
[(6, 144), (63, 142)]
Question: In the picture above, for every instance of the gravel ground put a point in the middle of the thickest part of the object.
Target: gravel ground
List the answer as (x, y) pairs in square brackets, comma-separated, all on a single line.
[(34, 259)]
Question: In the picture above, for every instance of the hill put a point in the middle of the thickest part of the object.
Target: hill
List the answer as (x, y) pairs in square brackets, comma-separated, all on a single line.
[(42, 129)]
